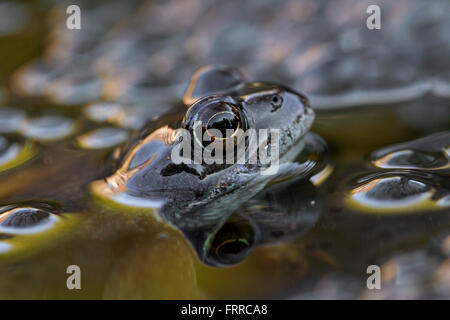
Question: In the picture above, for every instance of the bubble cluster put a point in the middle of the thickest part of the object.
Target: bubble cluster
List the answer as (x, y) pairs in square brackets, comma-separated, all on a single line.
[(414, 177)]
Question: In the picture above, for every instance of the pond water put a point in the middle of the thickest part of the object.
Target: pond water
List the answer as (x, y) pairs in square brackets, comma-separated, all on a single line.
[(382, 198)]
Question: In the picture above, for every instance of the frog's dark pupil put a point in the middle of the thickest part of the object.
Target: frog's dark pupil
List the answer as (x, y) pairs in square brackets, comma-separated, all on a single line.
[(275, 99), (224, 121), (276, 103)]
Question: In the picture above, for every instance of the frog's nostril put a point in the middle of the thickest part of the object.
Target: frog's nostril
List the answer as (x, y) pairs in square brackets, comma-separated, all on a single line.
[(276, 102)]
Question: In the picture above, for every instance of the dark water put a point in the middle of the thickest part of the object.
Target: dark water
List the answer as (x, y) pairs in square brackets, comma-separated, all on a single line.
[(384, 196)]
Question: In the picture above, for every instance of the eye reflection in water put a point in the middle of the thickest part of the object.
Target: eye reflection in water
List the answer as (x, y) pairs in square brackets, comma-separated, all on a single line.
[(232, 243), (276, 215)]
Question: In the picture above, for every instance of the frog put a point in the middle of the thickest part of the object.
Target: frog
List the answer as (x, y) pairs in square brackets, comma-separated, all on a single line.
[(131, 62), (200, 198)]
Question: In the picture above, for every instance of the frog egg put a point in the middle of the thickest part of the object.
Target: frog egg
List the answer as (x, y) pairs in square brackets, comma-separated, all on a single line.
[(47, 127), (393, 193), (14, 153), (29, 226), (134, 117), (102, 138), (125, 116), (25, 220), (10, 119), (412, 159), (103, 111), (32, 79), (75, 89), (431, 153)]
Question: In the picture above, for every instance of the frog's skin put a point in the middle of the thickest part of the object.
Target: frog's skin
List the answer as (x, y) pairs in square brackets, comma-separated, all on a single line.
[(199, 198)]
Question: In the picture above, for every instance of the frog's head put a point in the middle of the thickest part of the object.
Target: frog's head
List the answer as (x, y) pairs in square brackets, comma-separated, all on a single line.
[(222, 101), (199, 197), (221, 98)]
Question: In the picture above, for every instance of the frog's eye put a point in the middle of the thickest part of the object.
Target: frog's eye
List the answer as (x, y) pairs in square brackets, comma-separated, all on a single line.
[(215, 117), (219, 121), (227, 122)]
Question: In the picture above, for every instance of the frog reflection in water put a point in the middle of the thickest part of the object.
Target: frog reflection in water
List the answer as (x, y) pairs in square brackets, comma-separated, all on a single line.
[(206, 201)]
